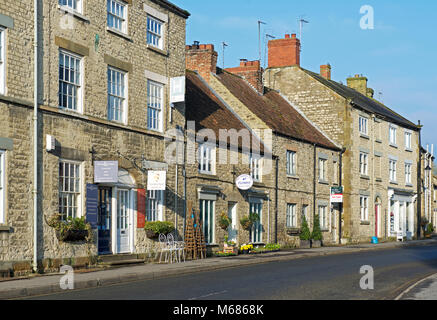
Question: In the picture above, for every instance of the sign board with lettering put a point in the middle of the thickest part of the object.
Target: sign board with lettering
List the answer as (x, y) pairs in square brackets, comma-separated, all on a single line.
[(244, 182), (105, 171), (337, 195), (177, 89), (92, 203), (156, 180)]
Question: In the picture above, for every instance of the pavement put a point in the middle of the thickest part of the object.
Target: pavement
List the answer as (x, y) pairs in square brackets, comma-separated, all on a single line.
[(425, 289), (50, 284)]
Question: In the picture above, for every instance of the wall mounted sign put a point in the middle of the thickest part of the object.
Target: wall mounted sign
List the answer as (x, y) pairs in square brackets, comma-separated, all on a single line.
[(337, 195), (92, 202), (244, 182), (177, 89), (156, 180), (105, 171)]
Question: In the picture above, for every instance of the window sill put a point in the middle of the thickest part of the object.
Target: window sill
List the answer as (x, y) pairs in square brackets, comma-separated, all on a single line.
[(293, 177), (378, 179), (4, 228), (74, 13), (157, 50), (408, 150), (394, 182), (69, 111), (365, 223), (409, 185), (394, 146), (378, 141), (364, 136), (324, 230), (118, 33), (258, 184), (365, 177), (323, 182)]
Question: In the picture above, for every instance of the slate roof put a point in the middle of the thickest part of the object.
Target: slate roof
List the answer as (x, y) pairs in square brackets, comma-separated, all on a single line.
[(275, 111), (208, 111), (174, 8), (361, 101)]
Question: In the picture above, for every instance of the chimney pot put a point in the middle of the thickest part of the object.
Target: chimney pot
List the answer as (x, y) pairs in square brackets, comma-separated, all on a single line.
[(287, 36), (325, 71), (251, 71)]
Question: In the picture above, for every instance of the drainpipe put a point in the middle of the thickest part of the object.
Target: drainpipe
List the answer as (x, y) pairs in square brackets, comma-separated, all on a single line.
[(276, 199), (268, 217), (35, 135), (314, 183), (340, 214)]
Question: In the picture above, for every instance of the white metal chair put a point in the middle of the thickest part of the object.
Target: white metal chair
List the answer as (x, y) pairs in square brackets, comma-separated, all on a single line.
[(171, 248), (163, 247), (181, 250)]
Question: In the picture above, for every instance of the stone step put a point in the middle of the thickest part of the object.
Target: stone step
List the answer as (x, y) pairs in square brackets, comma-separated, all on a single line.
[(117, 257), (122, 262)]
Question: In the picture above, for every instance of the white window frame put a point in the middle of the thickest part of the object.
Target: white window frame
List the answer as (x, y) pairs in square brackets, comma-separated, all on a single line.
[(291, 215), (152, 102), (393, 170), (323, 169), (256, 234), (408, 173), (392, 134), (77, 84), (2, 60), (121, 94), (71, 4), (408, 140), (256, 167), (78, 190), (208, 219), (291, 163), (323, 217), (364, 208), (363, 125), (364, 163), (155, 205), (207, 163), (122, 19), (2, 186), (154, 34)]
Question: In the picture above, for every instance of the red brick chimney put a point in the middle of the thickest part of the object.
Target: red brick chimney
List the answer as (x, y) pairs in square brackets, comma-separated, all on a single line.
[(251, 71), (201, 58), (325, 71), (284, 52)]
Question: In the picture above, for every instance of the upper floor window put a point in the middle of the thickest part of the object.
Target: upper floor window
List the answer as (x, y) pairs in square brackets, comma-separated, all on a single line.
[(155, 29), (207, 158), (392, 135), (408, 144), (2, 186), (364, 208), (117, 15), (408, 167), (155, 102), (364, 163), (291, 216), (392, 170), (255, 168), (117, 84), (75, 5), (70, 81), (69, 189), (2, 60), (291, 163), (155, 205), (323, 169), (364, 126)]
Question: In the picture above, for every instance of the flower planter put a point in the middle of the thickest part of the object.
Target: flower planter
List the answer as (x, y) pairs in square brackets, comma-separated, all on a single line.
[(151, 235), (305, 244), (316, 243), (72, 235)]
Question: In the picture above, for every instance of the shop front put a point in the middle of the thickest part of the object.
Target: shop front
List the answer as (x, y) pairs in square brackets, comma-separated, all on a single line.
[(401, 220)]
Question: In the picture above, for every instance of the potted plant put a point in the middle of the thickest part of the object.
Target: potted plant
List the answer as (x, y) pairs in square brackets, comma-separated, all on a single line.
[(424, 222), (71, 229), (305, 235), (155, 228), (429, 230), (246, 248), (317, 236), (224, 221)]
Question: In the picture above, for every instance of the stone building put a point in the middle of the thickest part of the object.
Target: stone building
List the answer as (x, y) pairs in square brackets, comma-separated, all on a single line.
[(305, 162), (427, 158), (381, 157), (104, 71)]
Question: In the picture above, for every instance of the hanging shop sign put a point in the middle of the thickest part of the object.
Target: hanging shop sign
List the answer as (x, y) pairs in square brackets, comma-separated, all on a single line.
[(337, 195), (244, 182), (105, 171), (156, 180), (177, 89)]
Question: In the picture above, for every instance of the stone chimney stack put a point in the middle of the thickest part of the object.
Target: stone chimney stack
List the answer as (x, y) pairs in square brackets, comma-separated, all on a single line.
[(359, 83), (325, 71), (251, 71), (284, 52), (201, 58)]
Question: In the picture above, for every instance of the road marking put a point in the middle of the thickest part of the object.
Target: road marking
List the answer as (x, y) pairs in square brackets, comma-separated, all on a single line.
[(209, 295)]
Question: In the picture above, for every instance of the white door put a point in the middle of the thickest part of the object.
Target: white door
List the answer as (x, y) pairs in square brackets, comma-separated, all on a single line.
[(123, 219), (232, 213)]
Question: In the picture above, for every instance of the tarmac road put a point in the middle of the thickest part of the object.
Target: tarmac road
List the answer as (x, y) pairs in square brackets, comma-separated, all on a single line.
[(335, 277)]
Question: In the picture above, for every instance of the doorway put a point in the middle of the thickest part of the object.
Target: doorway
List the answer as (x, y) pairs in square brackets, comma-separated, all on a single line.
[(104, 221), (378, 219), (123, 221), (232, 214)]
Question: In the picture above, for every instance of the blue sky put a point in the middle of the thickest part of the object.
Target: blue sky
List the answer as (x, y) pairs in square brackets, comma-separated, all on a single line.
[(399, 56)]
